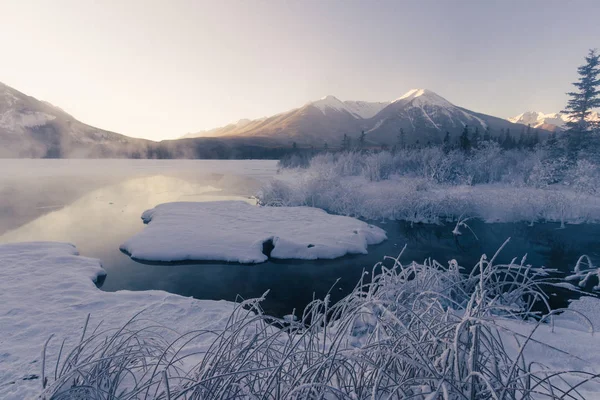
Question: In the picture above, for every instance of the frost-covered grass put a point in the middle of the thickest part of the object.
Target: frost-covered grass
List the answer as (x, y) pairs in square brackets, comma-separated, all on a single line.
[(415, 331), (429, 185)]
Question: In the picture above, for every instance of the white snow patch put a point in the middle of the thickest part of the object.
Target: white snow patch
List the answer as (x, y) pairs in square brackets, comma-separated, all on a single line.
[(377, 125), (537, 118), (235, 231), (13, 119), (47, 289), (365, 109), (328, 103), (421, 97), (358, 109)]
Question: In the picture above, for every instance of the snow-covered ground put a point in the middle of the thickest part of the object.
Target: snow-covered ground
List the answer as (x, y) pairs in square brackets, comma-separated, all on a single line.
[(47, 289), (235, 231)]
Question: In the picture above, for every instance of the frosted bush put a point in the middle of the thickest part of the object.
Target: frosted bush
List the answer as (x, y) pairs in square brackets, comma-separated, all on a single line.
[(378, 166), (429, 185), (418, 330), (584, 177)]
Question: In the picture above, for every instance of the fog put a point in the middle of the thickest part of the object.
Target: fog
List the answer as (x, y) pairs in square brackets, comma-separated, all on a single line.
[(32, 188)]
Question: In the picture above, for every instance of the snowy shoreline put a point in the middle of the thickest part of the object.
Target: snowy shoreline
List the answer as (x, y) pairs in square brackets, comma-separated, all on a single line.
[(47, 289), (65, 294)]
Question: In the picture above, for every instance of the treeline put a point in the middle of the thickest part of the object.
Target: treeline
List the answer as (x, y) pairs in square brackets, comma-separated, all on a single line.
[(211, 148), (470, 140)]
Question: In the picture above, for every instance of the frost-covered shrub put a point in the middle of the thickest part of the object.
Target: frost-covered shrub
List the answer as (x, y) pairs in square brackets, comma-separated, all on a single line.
[(418, 330), (584, 177), (295, 160), (429, 184), (378, 166), (277, 193)]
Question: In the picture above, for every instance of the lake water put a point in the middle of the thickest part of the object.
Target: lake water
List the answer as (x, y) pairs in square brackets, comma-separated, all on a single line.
[(97, 204)]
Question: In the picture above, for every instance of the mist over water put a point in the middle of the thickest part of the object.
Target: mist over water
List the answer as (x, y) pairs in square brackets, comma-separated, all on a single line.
[(97, 205)]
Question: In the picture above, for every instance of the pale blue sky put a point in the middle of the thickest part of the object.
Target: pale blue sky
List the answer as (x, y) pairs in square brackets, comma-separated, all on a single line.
[(159, 69)]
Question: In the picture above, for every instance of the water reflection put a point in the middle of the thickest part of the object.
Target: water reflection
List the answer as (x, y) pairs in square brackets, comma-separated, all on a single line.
[(99, 221)]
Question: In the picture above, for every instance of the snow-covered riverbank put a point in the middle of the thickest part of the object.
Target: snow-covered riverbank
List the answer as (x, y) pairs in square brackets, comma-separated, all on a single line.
[(47, 289)]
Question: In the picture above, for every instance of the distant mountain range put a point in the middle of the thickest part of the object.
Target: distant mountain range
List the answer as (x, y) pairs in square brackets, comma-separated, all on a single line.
[(30, 128), (553, 122), (423, 115), (36, 129)]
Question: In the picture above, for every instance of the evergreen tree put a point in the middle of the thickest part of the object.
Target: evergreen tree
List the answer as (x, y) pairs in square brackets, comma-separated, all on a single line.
[(446, 142), (475, 139), (587, 95), (507, 141), (465, 143), (522, 140), (345, 142), (487, 135), (401, 139), (326, 146), (581, 140), (294, 146), (535, 140), (361, 139)]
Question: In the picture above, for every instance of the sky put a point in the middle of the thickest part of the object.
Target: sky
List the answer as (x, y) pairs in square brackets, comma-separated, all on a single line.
[(159, 69)]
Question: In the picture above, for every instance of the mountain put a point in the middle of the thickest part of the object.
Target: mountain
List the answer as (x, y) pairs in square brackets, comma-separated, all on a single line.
[(37, 129), (314, 123), (423, 115), (32, 128), (550, 122)]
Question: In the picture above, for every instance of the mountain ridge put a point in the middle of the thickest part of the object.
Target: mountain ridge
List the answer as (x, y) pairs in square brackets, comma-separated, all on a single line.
[(551, 121), (31, 128), (422, 114)]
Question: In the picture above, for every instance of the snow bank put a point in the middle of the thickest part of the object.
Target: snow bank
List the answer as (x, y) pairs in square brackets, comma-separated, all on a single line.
[(47, 289), (236, 231)]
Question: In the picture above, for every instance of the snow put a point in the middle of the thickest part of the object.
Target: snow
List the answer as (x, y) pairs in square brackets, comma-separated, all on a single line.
[(377, 125), (421, 97), (353, 184), (235, 231), (47, 289), (358, 109), (329, 103), (537, 119), (365, 109), (13, 119)]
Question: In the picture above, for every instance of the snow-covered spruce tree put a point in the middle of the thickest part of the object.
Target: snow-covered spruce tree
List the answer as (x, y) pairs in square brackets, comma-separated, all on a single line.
[(581, 103)]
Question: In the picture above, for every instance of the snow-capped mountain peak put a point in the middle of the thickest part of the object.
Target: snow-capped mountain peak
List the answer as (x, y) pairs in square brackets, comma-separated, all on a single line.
[(422, 97), (328, 102), (537, 118), (550, 121), (412, 93)]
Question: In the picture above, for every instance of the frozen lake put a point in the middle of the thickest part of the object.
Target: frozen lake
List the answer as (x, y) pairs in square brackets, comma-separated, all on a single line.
[(97, 204)]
